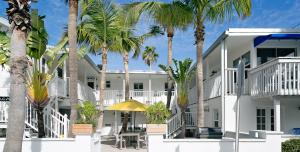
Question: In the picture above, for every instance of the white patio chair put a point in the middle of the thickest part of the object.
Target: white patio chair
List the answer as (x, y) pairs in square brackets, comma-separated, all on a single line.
[(118, 141)]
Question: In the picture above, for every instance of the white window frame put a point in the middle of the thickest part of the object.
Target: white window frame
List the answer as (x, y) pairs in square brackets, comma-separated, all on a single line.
[(216, 118)]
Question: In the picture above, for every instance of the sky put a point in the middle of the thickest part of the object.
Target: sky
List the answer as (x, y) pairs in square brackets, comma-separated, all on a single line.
[(265, 14)]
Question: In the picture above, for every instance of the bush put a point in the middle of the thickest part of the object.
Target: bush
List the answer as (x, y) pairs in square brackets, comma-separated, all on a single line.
[(88, 113), (292, 145), (157, 113)]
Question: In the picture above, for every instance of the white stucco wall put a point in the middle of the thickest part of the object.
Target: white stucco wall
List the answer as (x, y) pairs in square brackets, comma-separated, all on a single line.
[(81, 143), (266, 142)]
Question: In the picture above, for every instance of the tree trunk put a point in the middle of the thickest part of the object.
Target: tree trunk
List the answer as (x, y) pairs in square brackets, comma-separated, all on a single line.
[(199, 44), (40, 115), (183, 122), (102, 86), (125, 60), (169, 94), (73, 67), (16, 112)]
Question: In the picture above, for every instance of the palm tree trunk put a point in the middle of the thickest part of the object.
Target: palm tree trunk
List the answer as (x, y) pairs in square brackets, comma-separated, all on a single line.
[(183, 122), (125, 60), (199, 44), (40, 114), (73, 67), (102, 86), (169, 94), (16, 112)]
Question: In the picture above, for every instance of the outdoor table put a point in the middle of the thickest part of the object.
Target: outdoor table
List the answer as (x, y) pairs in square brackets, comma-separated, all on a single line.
[(132, 134)]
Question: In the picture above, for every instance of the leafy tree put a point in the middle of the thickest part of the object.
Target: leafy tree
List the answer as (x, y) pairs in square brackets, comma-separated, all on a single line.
[(157, 113), (181, 75), (4, 50), (88, 113)]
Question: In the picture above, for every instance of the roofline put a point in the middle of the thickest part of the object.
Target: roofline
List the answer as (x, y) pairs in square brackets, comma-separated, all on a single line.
[(236, 31), (4, 21), (136, 72), (91, 62)]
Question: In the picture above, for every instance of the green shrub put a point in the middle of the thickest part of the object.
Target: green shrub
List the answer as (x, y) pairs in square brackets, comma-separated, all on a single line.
[(292, 145), (88, 113), (157, 113)]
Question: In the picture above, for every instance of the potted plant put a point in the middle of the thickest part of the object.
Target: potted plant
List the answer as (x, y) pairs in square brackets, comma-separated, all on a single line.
[(88, 118), (157, 115)]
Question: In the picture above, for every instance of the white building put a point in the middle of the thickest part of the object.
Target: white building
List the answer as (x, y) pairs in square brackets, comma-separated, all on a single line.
[(147, 87), (272, 80)]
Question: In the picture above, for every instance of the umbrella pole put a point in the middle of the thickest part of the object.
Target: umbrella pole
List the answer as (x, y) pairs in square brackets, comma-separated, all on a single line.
[(134, 121)]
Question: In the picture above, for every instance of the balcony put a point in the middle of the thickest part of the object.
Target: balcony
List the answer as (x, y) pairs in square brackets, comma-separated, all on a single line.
[(280, 76), (147, 97)]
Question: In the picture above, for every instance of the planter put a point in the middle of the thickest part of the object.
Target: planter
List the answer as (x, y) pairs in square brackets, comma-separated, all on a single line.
[(82, 129), (156, 128)]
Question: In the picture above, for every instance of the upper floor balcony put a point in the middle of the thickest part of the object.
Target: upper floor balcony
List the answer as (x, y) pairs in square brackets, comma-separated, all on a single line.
[(278, 77), (147, 97)]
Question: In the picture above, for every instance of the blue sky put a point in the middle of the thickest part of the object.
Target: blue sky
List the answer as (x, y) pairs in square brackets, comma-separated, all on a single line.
[(265, 13)]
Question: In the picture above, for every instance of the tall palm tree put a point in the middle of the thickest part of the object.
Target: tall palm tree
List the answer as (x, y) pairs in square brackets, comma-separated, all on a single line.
[(19, 19), (150, 56), (73, 65), (181, 75), (212, 11), (99, 26), (172, 16)]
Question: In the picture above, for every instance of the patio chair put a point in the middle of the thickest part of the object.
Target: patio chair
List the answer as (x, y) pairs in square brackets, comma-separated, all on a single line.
[(118, 141), (143, 139)]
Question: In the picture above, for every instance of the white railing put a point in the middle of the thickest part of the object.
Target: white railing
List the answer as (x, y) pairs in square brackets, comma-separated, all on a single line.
[(31, 118), (85, 92), (212, 87), (56, 124), (57, 87), (3, 111), (231, 81), (191, 119), (173, 124), (147, 97), (280, 76)]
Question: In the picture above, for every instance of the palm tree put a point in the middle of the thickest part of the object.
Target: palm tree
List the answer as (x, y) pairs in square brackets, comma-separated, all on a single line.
[(181, 75), (73, 65), (172, 16), (99, 26), (212, 11), (150, 56), (19, 17)]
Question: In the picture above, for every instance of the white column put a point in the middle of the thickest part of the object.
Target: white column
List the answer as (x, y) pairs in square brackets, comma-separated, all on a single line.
[(223, 81), (277, 115), (124, 90), (84, 77), (253, 55), (116, 122), (150, 88)]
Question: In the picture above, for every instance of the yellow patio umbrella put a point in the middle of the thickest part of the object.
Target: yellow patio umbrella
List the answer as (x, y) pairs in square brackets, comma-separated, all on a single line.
[(127, 106)]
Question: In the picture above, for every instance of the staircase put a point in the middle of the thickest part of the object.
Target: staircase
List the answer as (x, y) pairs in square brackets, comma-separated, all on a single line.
[(56, 124), (174, 124)]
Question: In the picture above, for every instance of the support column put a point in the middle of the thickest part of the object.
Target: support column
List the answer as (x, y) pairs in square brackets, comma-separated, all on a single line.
[(223, 80), (116, 122), (123, 96), (276, 103), (253, 56), (150, 88)]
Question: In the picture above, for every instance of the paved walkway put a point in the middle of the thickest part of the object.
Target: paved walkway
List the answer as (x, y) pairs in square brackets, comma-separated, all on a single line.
[(108, 146)]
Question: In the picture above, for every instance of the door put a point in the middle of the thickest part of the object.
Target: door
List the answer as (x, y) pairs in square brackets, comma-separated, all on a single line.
[(265, 119)]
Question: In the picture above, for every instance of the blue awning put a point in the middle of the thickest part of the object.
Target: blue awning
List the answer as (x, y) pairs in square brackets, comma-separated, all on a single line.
[(260, 39)]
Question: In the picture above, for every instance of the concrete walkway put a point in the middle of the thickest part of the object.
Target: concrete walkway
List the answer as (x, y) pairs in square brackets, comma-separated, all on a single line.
[(109, 146)]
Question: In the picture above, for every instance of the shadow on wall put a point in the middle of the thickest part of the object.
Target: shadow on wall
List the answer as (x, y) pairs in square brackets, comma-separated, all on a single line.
[(177, 149), (36, 145), (226, 147)]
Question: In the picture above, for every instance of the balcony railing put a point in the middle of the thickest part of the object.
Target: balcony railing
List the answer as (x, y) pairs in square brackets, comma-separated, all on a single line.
[(147, 97), (212, 87), (280, 76)]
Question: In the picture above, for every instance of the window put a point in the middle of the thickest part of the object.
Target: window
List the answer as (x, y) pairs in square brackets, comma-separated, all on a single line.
[(123, 116), (59, 72), (91, 84), (43, 65), (107, 84), (272, 120), (261, 119), (246, 58), (216, 118), (266, 54), (166, 86), (138, 86)]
